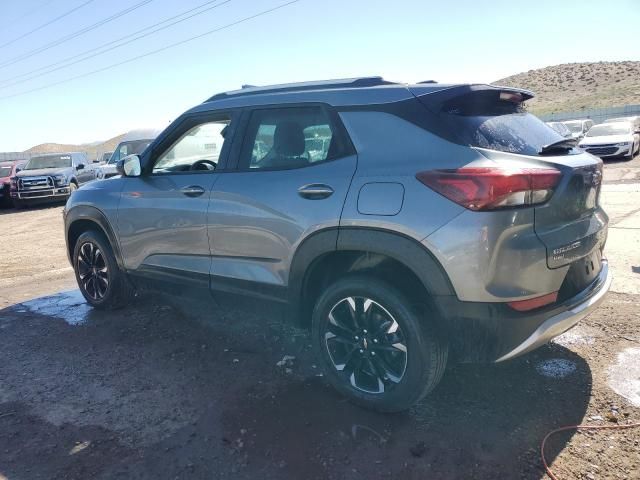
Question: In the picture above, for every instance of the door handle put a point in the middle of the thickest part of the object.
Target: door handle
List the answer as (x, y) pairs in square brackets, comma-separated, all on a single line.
[(192, 191), (315, 191)]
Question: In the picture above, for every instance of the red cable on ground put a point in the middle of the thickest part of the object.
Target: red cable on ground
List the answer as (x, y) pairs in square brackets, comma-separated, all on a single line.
[(578, 427)]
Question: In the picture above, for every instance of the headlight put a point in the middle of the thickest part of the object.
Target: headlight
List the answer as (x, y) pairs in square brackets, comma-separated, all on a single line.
[(61, 179), (623, 144)]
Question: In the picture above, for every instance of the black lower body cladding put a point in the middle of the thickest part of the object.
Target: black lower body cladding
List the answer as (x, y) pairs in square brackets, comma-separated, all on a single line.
[(485, 332)]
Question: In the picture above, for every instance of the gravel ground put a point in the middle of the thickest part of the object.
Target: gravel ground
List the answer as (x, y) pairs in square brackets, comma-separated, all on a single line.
[(171, 389)]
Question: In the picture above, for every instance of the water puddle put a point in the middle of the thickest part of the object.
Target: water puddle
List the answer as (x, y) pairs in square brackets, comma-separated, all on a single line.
[(556, 368), (624, 376), (69, 306)]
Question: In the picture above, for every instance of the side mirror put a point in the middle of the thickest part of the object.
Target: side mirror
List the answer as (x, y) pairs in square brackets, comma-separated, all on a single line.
[(129, 166), (80, 167), (18, 169)]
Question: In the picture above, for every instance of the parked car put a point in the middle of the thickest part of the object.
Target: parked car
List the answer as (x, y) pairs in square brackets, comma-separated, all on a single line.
[(609, 140), (579, 128), (634, 120), (7, 171), (561, 128), (134, 142), (103, 158), (50, 177), (433, 222)]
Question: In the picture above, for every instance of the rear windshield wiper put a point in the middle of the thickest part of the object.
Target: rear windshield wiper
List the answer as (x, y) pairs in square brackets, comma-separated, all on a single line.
[(560, 146)]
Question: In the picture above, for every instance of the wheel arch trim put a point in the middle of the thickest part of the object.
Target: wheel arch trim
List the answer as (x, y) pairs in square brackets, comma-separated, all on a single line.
[(408, 251), (96, 216)]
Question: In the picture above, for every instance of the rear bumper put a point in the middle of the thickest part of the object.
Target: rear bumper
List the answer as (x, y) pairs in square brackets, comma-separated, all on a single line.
[(561, 322), (493, 332)]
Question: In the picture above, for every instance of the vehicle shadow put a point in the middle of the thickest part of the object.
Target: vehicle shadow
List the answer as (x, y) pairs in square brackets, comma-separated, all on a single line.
[(199, 392)]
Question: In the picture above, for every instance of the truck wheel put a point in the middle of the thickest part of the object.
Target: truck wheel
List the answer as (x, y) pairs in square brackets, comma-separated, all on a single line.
[(374, 348), (99, 278)]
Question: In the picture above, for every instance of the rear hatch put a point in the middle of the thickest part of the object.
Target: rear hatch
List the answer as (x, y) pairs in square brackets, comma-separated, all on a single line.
[(570, 223)]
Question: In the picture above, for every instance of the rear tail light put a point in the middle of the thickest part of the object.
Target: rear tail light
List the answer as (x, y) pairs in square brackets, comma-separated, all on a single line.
[(493, 188), (532, 303)]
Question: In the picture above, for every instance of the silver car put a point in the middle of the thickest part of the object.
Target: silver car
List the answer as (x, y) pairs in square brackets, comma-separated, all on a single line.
[(579, 128), (133, 142), (404, 225)]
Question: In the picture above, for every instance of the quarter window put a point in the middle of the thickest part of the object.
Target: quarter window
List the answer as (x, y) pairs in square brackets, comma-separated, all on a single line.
[(197, 150), (289, 138)]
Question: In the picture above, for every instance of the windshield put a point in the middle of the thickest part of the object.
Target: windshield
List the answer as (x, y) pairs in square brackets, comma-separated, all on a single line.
[(609, 129), (5, 171), (575, 127), (49, 161)]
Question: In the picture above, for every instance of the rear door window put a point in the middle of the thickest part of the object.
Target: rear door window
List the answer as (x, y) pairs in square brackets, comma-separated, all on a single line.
[(290, 137)]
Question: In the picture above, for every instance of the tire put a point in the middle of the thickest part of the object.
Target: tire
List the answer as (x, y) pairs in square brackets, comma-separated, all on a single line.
[(408, 362), (113, 293), (632, 154)]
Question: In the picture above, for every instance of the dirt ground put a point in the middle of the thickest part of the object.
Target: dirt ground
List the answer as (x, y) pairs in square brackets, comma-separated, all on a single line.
[(171, 389)]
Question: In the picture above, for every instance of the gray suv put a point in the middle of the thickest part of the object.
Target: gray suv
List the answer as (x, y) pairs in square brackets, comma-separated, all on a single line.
[(406, 225)]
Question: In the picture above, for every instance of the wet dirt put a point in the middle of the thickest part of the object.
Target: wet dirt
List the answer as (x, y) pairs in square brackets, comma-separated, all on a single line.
[(624, 375), (168, 390)]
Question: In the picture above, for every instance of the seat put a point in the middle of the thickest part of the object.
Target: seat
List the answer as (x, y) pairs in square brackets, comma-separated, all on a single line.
[(288, 147)]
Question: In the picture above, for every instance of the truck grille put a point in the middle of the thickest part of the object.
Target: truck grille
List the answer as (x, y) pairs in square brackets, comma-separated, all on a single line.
[(602, 150), (35, 183)]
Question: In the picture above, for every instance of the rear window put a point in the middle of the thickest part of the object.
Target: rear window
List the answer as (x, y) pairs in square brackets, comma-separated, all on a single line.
[(491, 120), (5, 171)]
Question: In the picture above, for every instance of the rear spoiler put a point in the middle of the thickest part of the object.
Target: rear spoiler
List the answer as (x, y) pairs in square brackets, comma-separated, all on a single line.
[(463, 95)]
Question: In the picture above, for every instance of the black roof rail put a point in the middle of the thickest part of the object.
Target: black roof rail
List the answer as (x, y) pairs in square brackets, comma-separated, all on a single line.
[(427, 81), (297, 87)]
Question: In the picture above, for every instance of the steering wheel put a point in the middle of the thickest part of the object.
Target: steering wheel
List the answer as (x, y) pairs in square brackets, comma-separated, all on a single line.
[(204, 165)]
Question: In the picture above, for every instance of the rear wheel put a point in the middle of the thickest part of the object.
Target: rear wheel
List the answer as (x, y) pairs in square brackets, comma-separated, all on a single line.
[(99, 278), (374, 347)]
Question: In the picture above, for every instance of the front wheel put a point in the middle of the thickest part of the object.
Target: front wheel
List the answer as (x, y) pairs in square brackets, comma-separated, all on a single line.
[(631, 153), (374, 347), (99, 277)]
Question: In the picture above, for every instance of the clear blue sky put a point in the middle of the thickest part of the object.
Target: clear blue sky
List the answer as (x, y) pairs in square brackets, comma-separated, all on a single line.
[(403, 40)]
